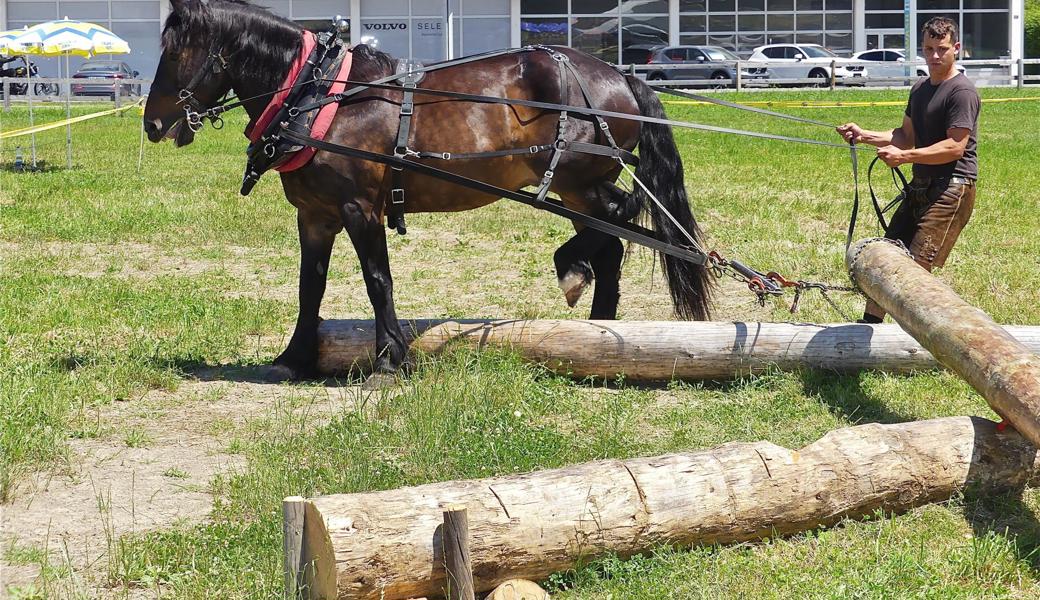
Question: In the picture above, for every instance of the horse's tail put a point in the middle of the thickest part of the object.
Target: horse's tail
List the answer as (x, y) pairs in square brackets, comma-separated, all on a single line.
[(660, 169)]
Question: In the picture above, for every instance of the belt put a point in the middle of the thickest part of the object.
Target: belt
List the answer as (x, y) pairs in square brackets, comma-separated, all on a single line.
[(920, 182)]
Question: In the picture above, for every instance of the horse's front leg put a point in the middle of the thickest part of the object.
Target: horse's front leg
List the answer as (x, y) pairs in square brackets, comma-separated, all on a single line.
[(317, 234), (369, 237)]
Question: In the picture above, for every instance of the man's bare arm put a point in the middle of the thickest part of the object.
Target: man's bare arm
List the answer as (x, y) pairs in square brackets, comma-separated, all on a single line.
[(940, 153), (902, 137)]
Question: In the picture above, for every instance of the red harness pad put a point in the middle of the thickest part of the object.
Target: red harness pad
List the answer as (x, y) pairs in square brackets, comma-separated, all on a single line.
[(325, 114)]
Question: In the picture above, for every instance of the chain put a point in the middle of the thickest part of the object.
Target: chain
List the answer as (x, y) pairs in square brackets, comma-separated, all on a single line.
[(776, 283)]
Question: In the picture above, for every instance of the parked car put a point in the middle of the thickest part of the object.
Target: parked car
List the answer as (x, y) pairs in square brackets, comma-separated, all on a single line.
[(890, 63), (699, 62), (105, 69), (806, 61)]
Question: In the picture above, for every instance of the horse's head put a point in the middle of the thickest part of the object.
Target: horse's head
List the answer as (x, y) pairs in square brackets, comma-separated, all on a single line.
[(191, 76)]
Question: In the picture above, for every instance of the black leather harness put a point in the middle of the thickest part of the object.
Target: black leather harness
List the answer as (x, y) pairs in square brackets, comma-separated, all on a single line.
[(313, 82)]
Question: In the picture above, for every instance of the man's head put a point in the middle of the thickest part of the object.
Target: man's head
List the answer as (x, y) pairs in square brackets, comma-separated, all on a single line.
[(940, 44)]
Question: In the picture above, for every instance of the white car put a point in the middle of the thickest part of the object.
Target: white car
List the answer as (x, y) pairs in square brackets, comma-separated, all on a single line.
[(806, 61), (890, 63)]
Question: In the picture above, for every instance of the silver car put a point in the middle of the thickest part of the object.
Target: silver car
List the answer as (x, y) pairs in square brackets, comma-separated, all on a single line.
[(686, 63)]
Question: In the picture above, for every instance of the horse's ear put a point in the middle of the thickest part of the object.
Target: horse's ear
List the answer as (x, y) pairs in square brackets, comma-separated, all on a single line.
[(185, 7)]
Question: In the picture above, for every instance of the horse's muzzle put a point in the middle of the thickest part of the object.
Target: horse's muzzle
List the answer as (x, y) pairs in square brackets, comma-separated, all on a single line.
[(153, 129)]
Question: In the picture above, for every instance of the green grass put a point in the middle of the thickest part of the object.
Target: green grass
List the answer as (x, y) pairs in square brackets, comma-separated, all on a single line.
[(114, 283)]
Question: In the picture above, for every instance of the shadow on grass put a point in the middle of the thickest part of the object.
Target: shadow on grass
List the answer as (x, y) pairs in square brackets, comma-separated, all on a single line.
[(1003, 465), (844, 394), (252, 373), (1010, 516), (27, 168)]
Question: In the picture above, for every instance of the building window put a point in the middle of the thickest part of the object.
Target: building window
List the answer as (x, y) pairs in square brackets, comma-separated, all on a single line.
[(602, 28)]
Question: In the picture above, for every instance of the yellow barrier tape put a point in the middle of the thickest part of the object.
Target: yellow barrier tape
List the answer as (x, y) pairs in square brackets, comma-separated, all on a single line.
[(840, 104), (47, 126)]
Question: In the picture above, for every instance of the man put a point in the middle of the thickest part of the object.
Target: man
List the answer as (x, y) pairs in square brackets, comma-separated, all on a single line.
[(938, 136)]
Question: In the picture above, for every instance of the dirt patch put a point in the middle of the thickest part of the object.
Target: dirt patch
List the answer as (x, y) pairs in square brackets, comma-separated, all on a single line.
[(150, 469), (145, 261)]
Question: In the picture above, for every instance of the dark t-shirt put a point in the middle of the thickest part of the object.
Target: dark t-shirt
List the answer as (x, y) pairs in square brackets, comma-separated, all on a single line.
[(933, 109)]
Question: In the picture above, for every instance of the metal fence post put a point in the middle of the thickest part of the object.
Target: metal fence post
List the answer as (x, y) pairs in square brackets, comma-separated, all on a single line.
[(833, 65), (7, 94), (739, 78), (116, 96), (1021, 72)]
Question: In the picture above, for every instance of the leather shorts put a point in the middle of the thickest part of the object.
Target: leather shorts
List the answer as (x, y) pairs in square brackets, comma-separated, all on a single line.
[(931, 216)]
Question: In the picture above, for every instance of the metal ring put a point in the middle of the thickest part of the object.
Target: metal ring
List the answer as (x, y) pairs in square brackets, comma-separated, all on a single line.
[(216, 122)]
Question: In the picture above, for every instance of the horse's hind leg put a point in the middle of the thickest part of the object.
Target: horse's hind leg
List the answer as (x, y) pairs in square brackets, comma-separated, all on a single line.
[(589, 255), (369, 237), (592, 254), (317, 235)]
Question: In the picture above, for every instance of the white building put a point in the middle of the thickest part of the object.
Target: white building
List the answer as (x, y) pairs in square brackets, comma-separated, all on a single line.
[(417, 28)]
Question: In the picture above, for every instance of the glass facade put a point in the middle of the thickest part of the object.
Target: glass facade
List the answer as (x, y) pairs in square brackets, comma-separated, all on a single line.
[(417, 28), (604, 28), (743, 25)]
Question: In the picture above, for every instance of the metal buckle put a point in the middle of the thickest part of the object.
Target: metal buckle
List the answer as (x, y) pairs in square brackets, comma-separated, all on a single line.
[(406, 109), (193, 118), (397, 196)]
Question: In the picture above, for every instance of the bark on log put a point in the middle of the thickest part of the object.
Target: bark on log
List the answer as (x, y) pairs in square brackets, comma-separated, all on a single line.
[(654, 350), (386, 544), (965, 339)]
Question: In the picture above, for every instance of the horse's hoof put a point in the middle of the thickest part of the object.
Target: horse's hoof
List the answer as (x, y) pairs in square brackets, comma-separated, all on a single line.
[(573, 286), (277, 374), (380, 381)]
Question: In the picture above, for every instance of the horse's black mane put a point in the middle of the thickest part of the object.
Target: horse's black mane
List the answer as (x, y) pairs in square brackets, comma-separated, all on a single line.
[(259, 43)]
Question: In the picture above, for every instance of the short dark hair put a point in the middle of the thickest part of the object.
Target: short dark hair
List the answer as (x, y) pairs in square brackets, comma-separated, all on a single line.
[(938, 27)]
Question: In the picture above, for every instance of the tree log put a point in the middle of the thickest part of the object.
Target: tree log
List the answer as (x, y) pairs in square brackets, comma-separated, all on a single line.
[(386, 544), (965, 339), (653, 350)]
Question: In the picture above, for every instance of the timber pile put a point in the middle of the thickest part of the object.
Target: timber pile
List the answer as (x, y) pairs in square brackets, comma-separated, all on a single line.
[(387, 544), (965, 339), (654, 350)]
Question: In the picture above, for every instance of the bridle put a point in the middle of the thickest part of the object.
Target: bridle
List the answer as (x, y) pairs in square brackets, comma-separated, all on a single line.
[(194, 112)]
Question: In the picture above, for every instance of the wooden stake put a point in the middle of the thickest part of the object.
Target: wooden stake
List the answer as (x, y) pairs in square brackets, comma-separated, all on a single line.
[(292, 544), (455, 541), (1000, 368)]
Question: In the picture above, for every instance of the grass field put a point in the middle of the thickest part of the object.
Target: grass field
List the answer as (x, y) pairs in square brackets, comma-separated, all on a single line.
[(142, 457)]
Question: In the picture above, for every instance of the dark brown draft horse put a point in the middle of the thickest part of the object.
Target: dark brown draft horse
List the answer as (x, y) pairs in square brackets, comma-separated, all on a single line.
[(254, 50)]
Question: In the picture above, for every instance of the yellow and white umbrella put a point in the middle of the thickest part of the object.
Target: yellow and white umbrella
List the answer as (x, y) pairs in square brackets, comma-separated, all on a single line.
[(6, 37), (66, 37)]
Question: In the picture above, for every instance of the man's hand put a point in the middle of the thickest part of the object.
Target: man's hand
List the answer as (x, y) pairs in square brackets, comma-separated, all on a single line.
[(850, 132), (892, 156)]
